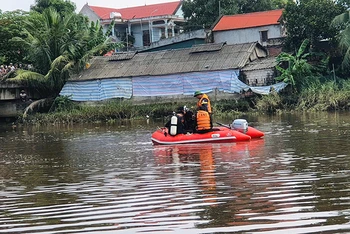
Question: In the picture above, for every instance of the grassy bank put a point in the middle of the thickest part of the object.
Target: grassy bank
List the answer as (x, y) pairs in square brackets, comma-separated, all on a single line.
[(64, 111), (315, 96)]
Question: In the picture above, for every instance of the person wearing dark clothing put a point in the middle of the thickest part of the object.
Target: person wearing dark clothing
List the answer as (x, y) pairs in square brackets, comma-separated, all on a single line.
[(188, 120), (180, 128), (23, 96)]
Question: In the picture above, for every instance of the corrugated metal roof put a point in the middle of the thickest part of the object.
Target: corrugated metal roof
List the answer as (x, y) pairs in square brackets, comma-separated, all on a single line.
[(261, 64), (249, 20), (206, 47), (173, 62), (138, 12), (122, 56)]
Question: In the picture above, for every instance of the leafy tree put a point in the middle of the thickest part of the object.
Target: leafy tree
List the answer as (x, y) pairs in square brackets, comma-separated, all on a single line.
[(310, 19), (61, 6), (294, 69), (260, 5), (59, 46), (203, 13), (342, 22), (11, 24)]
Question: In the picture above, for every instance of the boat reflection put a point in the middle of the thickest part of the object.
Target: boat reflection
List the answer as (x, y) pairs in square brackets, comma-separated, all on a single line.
[(167, 154), (209, 156)]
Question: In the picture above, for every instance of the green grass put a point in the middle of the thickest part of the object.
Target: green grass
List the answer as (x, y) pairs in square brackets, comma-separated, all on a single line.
[(68, 112), (315, 96)]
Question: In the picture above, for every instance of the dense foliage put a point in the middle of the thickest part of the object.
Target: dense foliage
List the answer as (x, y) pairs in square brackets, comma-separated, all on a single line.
[(62, 6), (310, 19), (342, 23), (11, 25), (58, 45), (203, 13)]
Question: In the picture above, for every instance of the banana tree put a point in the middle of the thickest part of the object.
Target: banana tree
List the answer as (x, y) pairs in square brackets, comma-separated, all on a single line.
[(294, 68)]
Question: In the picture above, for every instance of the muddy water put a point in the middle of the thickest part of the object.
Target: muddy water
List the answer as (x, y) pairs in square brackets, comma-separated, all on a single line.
[(111, 179)]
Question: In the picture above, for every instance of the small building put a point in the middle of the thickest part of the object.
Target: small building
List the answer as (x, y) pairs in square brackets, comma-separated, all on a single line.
[(260, 72), (139, 26), (169, 74), (265, 27), (10, 101)]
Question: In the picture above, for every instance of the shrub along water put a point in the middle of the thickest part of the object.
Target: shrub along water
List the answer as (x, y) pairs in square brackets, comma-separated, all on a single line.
[(66, 111), (326, 96), (315, 95)]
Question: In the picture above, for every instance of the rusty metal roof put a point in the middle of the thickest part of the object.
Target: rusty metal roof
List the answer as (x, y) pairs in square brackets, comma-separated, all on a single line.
[(212, 57)]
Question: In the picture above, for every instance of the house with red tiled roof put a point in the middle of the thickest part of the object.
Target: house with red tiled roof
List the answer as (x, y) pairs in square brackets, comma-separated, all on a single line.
[(265, 27), (144, 25)]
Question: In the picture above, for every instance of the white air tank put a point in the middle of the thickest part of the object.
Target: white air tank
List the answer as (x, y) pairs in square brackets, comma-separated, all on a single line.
[(173, 125)]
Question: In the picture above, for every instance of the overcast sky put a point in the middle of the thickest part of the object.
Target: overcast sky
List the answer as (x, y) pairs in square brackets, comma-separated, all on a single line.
[(11, 5)]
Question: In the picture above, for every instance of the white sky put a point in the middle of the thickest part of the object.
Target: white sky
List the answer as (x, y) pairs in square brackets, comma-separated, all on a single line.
[(11, 5)]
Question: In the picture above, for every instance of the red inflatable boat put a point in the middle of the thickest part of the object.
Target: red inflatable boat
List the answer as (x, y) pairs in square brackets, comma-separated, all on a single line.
[(219, 135)]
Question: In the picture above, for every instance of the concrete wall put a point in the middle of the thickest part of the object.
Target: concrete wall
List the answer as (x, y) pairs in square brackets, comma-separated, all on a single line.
[(259, 77), (10, 91), (247, 35), (181, 37), (11, 108), (10, 103), (86, 10)]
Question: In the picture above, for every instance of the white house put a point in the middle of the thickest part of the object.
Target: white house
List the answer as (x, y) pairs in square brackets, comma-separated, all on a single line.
[(146, 24), (264, 27)]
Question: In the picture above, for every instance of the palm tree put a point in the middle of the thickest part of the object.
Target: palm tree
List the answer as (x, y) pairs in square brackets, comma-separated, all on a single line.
[(59, 46), (342, 22)]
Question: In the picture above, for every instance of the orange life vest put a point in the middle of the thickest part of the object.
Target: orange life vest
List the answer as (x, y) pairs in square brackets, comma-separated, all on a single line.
[(203, 120), (201, 102)]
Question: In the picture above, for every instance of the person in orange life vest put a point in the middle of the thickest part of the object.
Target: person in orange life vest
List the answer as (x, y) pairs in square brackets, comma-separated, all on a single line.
[(203, 100), (203, 121)]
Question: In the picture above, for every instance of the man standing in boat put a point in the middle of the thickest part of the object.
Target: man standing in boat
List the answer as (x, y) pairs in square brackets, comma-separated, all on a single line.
[(204, 104), (203, 100)]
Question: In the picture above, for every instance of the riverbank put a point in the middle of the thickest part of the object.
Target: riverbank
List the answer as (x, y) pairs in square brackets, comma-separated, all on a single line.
[(65, 111), (317, 96)]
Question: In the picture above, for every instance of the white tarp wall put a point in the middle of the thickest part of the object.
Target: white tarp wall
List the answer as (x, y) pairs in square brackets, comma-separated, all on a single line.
[(98, 90), (177, 84), (187, 83)]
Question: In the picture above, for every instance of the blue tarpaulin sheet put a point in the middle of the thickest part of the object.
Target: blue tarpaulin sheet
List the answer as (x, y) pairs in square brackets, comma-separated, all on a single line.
[(98, 90), (175, 84)]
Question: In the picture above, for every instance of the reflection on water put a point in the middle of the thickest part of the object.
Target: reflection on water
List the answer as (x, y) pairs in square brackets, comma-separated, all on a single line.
[(111, 179)]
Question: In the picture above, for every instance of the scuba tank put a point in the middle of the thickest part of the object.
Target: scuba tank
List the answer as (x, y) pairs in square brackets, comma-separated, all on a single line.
[(173, 125)]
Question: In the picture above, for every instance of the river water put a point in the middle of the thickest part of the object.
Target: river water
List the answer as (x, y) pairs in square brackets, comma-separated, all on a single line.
[(111, 179)]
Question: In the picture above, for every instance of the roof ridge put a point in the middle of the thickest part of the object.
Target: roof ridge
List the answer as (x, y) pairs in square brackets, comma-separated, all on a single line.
[(123, 8)]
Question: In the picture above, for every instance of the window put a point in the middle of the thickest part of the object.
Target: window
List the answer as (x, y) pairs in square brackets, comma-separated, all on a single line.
[(146, 38), (263, 36)]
